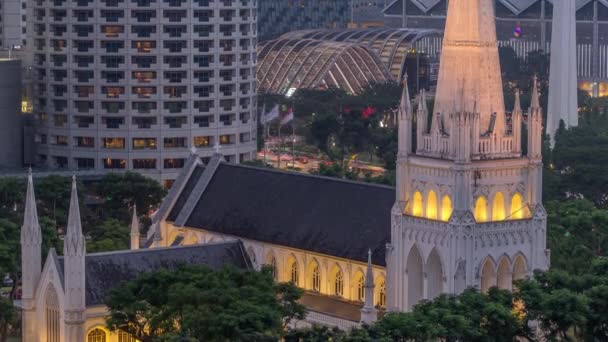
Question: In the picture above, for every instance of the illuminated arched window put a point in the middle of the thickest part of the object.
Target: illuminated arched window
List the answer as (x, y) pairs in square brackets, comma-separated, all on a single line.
[(339, 284), (517, 207), (124, 336), (316, 278), (446, 208), (431, 205), (417, 204), (481, 207), (360, 287), (96, 335), (498, 207), (294, 272), (382, 294), (52, 315)]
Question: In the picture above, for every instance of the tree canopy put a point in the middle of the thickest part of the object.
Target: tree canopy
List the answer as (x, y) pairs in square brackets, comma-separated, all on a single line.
[(197, 303)]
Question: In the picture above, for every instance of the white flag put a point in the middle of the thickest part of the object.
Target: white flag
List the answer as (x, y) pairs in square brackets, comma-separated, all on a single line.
[(287, 117), (273, 114)]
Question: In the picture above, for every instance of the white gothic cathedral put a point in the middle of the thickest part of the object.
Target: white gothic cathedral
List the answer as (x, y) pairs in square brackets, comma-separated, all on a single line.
[(467, 212)]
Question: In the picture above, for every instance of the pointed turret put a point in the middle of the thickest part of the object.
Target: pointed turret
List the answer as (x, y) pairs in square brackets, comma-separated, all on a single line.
[(369, 314), (535, 139), (74, 251), (535, 100), (405, 121), (135, 234), (516, 123), (31, 241), (422, 115)]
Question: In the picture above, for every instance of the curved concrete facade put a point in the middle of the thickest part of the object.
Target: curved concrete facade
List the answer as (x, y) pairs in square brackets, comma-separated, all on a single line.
[(135, 85)]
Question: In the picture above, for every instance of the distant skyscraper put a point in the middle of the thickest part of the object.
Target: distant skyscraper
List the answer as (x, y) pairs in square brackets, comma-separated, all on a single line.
[(135, 85), (276, 17), (563, 97), (12, 23)]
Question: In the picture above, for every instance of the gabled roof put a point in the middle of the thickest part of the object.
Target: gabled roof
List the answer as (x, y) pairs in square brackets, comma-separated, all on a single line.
[(318, 214), (105, 271)]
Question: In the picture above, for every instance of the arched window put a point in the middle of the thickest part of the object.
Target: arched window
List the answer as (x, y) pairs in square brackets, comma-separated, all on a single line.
[(431, 205), (96, 335), (273, 268), (294, 272), (481, 205), (417, 204), (52, 315), (361, 288), (446, 208), (316, 279), (517, 207), (124, 336), (498, 207), (339, 284), (382, 294)]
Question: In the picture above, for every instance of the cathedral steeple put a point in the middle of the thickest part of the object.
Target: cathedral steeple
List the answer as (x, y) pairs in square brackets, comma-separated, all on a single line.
[(405, 123), (135, 234), (470, 65), (31, 241), (516, 123), (74, 251)]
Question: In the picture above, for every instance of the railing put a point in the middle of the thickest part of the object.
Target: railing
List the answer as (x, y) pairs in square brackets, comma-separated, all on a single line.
[(330, 321)]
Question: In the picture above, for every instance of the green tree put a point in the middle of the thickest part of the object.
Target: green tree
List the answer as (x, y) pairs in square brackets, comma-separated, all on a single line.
[(8, 318), (198, 303), (111, 235), (121, 191)]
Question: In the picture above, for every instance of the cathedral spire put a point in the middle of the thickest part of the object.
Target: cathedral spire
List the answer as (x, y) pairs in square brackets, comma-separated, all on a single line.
[(135, 234), (535, 101), (469, 63), (405, 121), (517, 105), (74, 251), (369, 314), (31, 241)]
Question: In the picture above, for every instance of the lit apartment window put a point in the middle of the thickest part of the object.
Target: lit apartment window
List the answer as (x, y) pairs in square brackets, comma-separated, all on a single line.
[(144, 76), (113, 92), (174, 163), (174, 142), (225, 139), (110, 163), (144, 46), (112, 31), (144, 143), (113, 143), (202, 141), (144, 163), (144, 92)]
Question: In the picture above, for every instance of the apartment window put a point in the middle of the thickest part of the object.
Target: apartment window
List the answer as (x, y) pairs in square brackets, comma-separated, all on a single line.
[(144, 143), (109, 163), (174, 31), (144, 122), (143, 31), (175, 61), (204, 106), (203, 30), (203, 45), (84, 91), (112, 61), (144, 163), (83, 106), (144, 76), (175, 76), (203, 121), (112, 46), (113, 143), (112, 31), (174, 15), (176, 121), (143, 107), (112, 122), (175, 142), (112, 92), (143, 46), (203, 76), (143, 61), (175, 92), (60, 162), (174, 163), (83, 76), (112, 107), (226, 119), (202, 141), (83, 121), (143, 16), (60, 120), (226, 139), (84, 61), (85, 141), (203, 61), (175, 107), (85, 163), (61, 140), (144, 92), (113, 76), (112, 15)]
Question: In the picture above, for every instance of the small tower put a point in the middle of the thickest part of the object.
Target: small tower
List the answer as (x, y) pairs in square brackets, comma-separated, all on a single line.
[(74, 251), (516, 123), (31, 241), (135, 235), (369, 314), (422, 115), (535, 135), (405, 141)]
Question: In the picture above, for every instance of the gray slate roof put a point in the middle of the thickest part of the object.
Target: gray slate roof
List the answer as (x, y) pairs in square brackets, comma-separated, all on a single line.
[(105, 271), (312, 213)]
